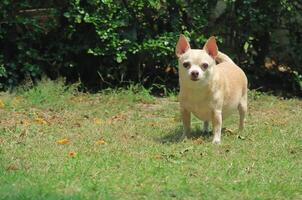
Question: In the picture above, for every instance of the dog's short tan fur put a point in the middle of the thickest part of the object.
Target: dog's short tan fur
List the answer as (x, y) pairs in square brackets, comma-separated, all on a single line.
[(208, 90)]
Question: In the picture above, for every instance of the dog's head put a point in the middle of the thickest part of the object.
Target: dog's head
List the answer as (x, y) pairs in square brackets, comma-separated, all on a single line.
[(196, 64)]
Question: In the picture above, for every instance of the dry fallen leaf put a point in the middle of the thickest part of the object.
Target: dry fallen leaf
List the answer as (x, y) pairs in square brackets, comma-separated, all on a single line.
[(97, 121), (72, 154), (25, 122), (100, 142), (228, 131), (63, 141), (117, 118), (198, 141), (40, 120), (2, 105), (12, 167)]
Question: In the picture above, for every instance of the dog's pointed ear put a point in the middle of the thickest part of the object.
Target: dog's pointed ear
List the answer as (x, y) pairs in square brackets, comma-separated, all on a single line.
[(211, 47), (182, 46)]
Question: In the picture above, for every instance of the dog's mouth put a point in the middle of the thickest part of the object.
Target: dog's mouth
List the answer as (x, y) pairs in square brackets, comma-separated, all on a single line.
[(194, 79)]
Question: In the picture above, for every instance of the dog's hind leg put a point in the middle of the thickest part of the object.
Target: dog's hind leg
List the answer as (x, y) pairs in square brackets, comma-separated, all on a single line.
[(205, 129)]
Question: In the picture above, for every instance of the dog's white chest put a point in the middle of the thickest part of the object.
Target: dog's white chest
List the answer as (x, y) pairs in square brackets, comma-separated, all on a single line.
[(197, 102)]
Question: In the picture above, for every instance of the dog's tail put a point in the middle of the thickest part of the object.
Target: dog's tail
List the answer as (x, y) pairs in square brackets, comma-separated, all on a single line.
[(221, 57)]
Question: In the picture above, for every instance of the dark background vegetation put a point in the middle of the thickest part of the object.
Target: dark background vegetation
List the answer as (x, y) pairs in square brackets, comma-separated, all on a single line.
[(112, 43)]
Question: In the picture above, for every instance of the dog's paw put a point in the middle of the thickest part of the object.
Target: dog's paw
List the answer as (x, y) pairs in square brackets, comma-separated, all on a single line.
[(216, 141)]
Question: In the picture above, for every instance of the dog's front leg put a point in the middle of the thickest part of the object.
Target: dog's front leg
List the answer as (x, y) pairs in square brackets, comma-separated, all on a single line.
[(217, 123), (186, 120)]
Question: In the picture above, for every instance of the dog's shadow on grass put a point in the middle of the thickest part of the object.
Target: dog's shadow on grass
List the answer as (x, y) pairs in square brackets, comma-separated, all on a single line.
[(176, 136)]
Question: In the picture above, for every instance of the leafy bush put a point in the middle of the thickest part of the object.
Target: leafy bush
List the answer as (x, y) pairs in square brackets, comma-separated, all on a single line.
[(108, 43)]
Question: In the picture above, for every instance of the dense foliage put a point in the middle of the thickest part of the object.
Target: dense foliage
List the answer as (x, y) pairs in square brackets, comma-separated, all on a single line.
[(106, 43)]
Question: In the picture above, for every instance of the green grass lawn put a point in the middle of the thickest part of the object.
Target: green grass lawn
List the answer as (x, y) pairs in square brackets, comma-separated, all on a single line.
[(122, 144)]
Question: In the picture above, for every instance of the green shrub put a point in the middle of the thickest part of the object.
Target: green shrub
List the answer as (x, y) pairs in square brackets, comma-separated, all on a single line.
[(113, 43)]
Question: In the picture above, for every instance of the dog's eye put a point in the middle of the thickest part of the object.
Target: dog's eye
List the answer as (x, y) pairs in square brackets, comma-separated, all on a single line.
[(205, 65), (186, 64)]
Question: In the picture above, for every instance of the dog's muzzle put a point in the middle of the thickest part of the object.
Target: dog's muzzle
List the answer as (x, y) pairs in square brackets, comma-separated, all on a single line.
[(194, 75)]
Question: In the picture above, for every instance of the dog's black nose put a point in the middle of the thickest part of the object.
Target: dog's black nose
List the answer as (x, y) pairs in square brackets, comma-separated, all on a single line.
[(194, 74)]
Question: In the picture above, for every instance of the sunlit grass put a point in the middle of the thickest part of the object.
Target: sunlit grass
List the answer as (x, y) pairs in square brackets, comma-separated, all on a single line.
[(57, 143)]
